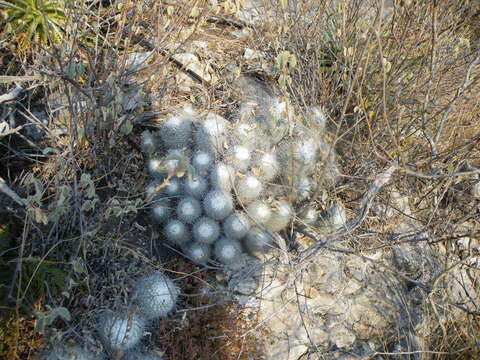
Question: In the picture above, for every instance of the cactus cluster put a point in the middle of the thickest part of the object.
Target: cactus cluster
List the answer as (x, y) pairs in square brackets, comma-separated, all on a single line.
[(233, 183), (219, 188), (153, 297)]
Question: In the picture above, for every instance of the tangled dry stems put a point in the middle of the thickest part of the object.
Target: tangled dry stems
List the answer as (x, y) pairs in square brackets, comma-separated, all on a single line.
[(400, 90)]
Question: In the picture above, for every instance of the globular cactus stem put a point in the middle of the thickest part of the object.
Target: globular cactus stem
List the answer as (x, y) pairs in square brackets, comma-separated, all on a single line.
[(267, 165), (248, 189), (203, 161), (161, 211), (155, 295), (189, 209), (239, 156), (149, 142), (198, 252), (259, 240), (176, 130), (173, 188), (211, 135), (227, 251), (120, 331), (176, 232), (205, 230), (282, 215), (195, 186), (259, 212), (222, 176), (236, 226), (218, 204)]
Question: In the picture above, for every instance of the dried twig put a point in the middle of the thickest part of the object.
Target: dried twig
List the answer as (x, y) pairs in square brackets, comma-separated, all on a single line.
[(426, 103), (362, 212), (458, 94), (12, 95), (10, 193), (4, 79)]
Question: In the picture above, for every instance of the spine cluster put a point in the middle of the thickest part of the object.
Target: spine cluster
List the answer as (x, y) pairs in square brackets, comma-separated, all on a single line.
[(242, 183)]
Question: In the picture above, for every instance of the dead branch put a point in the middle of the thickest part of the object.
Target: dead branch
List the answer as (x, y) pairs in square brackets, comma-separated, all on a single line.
[(13, 131), (10, 193), (4, 79), (12, 95), (353, 224)]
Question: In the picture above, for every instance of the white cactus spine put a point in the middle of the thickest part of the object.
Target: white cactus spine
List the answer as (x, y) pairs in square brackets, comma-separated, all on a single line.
[(155, 295), (155, 167), (161, 211), (227, 251), (173, 188), (248, 189), (236, 226), (282, 215), (259, 212), (188, 210), (211, 135), (176, 232), (149, 143), (203, 161), (198, 252), (222, 177), (121, 331), (195, 186), (218, 204), (176, 130), (240, 157), (267, 165), (206, 230), (258, 240)]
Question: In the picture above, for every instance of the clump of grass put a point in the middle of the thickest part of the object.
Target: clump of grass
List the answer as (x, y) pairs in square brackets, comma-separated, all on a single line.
[(28, 22)]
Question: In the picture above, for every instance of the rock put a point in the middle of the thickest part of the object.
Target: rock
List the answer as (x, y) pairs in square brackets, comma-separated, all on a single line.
[(352, 302), (250, 54), (246, 286), (342, 337), (252, 11), (333, 219), (461, 285), (137, 61), (397, 204), (191, 62), (337, 216)]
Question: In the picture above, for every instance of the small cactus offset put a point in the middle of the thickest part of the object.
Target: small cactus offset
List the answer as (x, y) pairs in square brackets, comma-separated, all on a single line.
[(68, 352), (246, 178), (120, 331), (155, 295)]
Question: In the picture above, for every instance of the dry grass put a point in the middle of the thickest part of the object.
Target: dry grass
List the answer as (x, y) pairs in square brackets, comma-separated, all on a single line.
[(217, 329), (400, 89)]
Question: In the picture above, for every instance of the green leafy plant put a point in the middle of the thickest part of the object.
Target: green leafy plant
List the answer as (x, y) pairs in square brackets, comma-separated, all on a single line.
[(41, 277), (41, 21), (45, 319)]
